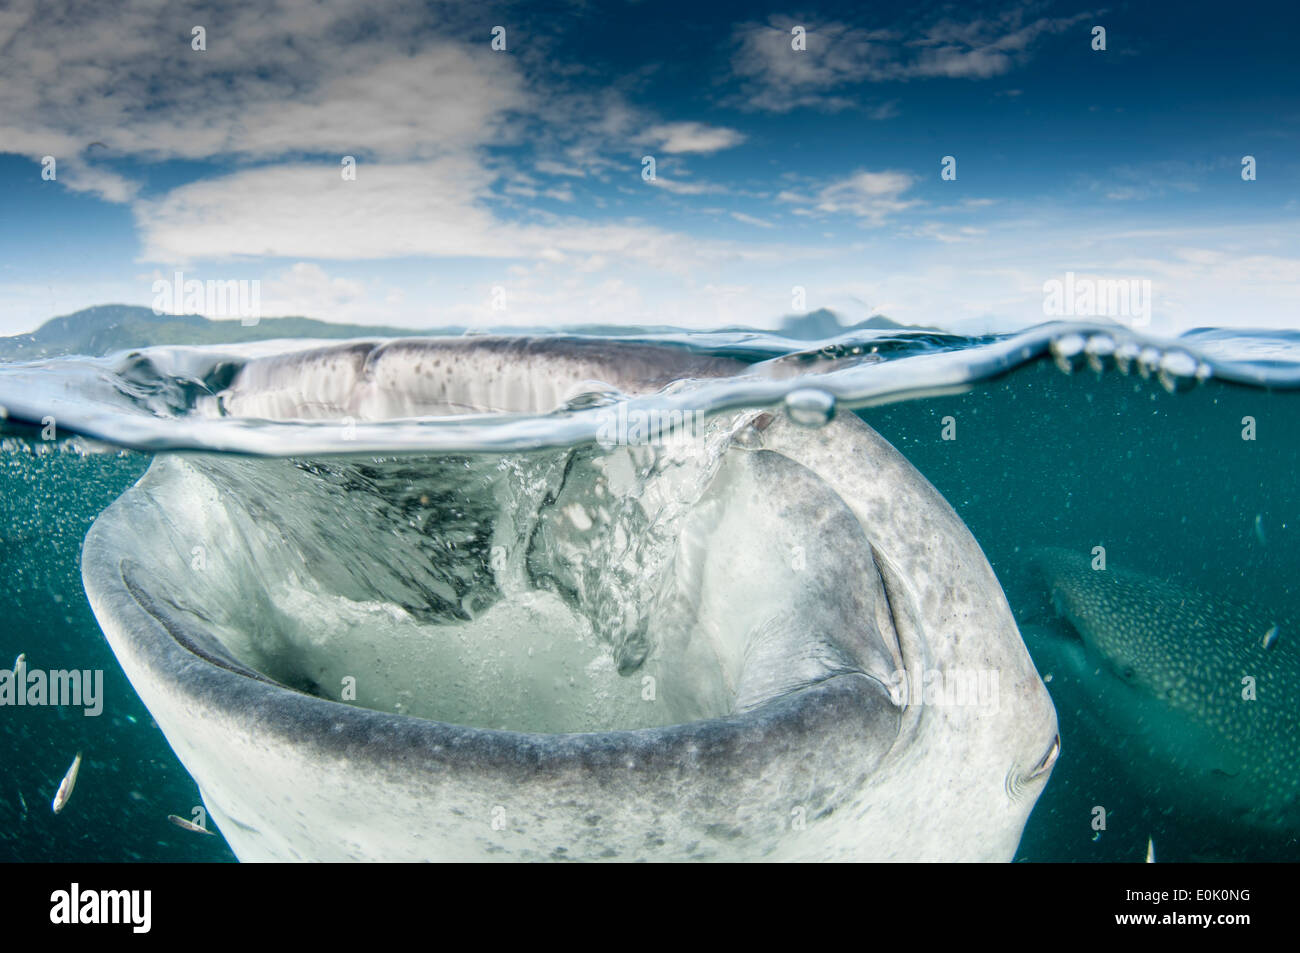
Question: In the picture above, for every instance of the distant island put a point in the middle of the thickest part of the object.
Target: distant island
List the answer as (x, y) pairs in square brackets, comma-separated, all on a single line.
[(95, 332), (101, 330), (823, 323)]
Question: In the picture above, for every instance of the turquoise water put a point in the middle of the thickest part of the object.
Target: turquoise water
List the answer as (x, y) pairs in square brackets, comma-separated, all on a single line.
[(1047, 451), (129, 779), (1167, 484)]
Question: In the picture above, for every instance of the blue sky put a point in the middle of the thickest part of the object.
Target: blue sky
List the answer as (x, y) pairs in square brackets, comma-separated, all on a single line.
[(520, 171)]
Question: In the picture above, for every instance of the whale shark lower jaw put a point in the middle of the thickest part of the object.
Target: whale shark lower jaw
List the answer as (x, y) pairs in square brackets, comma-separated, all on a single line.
[(765, 642)]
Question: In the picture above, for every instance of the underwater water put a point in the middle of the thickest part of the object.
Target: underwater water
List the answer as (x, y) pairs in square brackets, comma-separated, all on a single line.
[(1177, 458)]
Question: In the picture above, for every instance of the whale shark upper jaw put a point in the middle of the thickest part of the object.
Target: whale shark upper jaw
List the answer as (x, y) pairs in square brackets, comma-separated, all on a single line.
[(591, 652)]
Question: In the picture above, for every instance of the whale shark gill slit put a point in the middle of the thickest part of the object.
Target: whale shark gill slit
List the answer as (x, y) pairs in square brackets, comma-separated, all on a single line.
[(899, 604)]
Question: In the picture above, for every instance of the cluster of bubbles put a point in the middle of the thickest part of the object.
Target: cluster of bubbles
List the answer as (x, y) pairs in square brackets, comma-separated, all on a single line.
[(1175, 369)]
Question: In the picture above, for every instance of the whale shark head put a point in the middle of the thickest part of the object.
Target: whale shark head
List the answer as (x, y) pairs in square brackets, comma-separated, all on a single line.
[(1185, 681), (1112, 623), (738, 639)]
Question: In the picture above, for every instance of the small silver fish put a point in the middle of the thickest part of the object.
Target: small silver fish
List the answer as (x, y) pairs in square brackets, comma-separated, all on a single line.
[(23, 801), (66, 785), (188, 825), (1270, 637), (1259, 529), (18, 662), (1151, 851)]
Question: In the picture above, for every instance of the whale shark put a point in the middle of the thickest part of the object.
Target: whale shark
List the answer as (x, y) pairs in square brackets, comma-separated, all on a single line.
[(762, 641), (1196, 694)]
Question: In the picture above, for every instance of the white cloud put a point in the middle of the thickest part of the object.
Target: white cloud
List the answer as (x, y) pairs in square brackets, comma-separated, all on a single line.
[(778, 78), (949, 234), (305, 289), (550, 167), (679, 187), (775, 77), (435, 209), (1155, 179), (886, 110), (285, 89), (275, 78), (79, 176), (310, 211), (869, 196), (693, 137)]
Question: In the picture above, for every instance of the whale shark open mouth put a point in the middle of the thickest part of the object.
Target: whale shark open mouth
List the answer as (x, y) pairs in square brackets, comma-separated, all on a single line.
[(692, 638)]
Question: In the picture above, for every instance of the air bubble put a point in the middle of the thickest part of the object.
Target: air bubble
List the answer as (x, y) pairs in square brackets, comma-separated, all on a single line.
[(748, 434), (1148, 361), (810, 407), (1180, 371), (591, 393), (1067, 351), (1100, 349), (1125, 355)]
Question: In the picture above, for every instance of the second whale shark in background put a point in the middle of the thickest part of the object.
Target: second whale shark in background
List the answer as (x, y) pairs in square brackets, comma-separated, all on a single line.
[(1197, 696)]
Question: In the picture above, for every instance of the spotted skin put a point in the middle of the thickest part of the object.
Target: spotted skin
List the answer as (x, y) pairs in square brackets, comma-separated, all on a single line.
[(1166, 666)]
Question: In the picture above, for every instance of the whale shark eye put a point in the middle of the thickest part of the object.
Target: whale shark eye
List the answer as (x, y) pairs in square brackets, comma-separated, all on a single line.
[(1018, 784), (1128, 674)]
